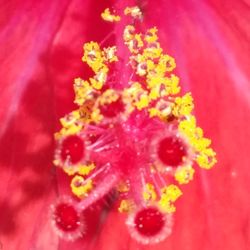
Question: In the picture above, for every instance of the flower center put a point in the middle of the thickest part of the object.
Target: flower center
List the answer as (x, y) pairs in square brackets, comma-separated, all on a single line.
[(72, 149), (112, 109), (171, 151), (66, 217), (149, 221)]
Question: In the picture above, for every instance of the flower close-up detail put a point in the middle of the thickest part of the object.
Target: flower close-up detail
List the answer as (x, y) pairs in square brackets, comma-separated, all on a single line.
[(124, 125)]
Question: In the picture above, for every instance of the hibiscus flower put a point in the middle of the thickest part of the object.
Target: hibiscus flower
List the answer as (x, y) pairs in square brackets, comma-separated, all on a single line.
[(40, 44)]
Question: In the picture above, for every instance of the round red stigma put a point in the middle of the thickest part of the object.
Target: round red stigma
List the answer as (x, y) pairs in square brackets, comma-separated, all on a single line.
[(149, 221), (66, 217), (171, 151), (149, 225), (67, 220), (72, 149), (112, 109)]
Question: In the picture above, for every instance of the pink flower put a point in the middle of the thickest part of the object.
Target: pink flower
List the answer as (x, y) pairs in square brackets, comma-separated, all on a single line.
[(41, 45)]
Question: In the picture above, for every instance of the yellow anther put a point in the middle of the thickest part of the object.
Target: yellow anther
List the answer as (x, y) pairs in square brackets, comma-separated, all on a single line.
[(153, 51), (141, 64), (96, 84), (154, 112), (171, 192), (79, 169), (93, 56), (169, 195), (141, 69), (101, 75), (85, 111), (109, 96), (81, 187), (162, 110), (188, 126), (83, 91), (71, 123), (207, 158), (137, 96), (149, 193), (107, 16), (70, 170), (96, 115), (126, 206), (151, 35), (184, 174), (150, 66), (143, 102), (183, 105), (92, 51), (86, 169), (128, 33), (200, 143), (167, 63), (133, 11), (159, 86), (110, 54), (172, 86), (135, 44)]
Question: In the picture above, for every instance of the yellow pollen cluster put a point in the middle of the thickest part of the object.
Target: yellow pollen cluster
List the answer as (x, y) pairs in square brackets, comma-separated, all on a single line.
[(151, 35), (86, 169), (162, 109), (108, 96), (110, 54), (71, 124), (184, 174), (154, 68), (205, 155), (136, 96), (128, 33), (79, 169), (80, 187), (107, 16), (149, 193), (86, 91), (169, 195), (133, 11), (183, 105)]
